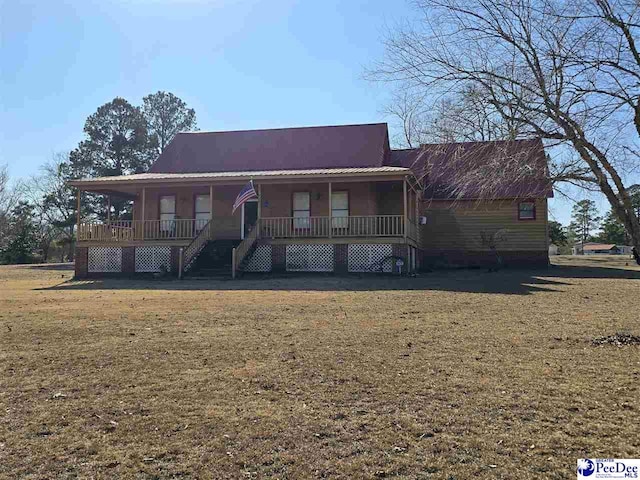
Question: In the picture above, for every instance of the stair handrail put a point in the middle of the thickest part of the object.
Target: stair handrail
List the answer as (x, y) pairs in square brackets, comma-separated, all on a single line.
[(192, 250), (240, 252)]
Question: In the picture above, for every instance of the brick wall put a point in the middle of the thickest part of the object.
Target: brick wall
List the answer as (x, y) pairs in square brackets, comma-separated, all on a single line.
[(400, 250), (81, 262), (175, 260), (278, 258), (129, 260), (341, 252)]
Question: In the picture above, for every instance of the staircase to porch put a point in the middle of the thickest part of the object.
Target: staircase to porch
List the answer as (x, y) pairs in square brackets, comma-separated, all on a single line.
[(214, 260)]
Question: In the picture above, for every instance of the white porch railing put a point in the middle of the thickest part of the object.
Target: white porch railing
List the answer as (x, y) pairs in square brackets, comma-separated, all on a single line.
[(271, 227), (352, 226), (132, 230)]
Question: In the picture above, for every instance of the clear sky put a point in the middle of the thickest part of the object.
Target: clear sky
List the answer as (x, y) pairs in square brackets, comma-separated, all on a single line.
[(241, 64)]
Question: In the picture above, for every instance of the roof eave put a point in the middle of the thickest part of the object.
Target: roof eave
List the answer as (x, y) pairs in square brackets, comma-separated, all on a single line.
[(194, 178)]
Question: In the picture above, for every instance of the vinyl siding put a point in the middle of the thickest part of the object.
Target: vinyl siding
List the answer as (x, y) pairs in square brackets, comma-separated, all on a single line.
[(459, 226)]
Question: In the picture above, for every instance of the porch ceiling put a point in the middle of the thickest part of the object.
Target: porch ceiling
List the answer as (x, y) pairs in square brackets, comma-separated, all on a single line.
[(130, 184)]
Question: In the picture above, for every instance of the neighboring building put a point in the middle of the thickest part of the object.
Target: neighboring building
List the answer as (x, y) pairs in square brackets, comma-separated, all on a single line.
[(553, 249), (591, 248), (331, 199)]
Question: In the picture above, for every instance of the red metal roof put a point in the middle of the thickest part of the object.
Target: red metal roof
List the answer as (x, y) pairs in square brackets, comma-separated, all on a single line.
[(501, 169), (345, 146), (473, 170)]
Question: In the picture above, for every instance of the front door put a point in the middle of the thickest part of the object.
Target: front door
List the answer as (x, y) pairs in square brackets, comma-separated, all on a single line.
[(249, 216)]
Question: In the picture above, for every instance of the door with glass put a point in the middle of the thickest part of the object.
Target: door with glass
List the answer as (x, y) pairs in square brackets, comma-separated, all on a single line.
[(202, 211), (167, 215)]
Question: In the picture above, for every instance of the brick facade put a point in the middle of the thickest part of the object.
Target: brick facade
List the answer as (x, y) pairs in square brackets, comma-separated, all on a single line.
[(129, 260), (175, 260), (341, 256), (278, 258), (402, 251), (81, 262)]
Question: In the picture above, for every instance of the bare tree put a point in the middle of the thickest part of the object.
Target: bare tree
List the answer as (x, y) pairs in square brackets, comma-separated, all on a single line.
[(55, 202), (566, 70), (466, 116), (9, 196)]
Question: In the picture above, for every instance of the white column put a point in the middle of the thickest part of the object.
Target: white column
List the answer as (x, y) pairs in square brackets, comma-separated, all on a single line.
[(404, 196), (330, 211)]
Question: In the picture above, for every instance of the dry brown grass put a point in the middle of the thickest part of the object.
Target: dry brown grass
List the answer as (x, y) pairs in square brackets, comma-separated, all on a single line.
[(446, 376)]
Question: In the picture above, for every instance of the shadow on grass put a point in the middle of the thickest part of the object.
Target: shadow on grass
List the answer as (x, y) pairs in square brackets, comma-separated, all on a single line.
[(49, 266), (507, 281)]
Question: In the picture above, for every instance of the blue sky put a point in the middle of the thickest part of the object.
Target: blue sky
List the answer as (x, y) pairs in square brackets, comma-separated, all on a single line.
[(241, 64)]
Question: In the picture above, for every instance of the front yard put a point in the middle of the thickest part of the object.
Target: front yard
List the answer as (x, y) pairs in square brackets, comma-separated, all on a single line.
[(450, 375)]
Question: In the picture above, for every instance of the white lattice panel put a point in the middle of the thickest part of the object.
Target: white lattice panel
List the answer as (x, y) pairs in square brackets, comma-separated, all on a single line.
[(310, 258), (370, 257), (105, 259), (260, 261), (150, 259)]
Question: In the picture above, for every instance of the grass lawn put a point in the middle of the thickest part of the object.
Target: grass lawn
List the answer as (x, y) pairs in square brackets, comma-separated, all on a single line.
[(450, 375)]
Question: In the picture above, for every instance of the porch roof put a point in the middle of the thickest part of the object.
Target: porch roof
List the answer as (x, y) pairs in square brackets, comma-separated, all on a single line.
[(148, 179)]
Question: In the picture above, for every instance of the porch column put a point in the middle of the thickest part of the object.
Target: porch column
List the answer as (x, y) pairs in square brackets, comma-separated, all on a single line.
[(259, 211), (404, 198), (78, 195), (108, 208), (211, 212), (259, 201), (330, 212), (210, 202), (144, 200)]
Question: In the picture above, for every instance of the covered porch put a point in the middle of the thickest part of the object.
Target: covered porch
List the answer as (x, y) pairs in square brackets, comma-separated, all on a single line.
[(176, 209), (331, 206)]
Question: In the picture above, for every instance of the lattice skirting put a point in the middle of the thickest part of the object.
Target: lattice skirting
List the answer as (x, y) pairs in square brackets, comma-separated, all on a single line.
[(104, 259), (152, 259), (310, 258), (260, 261), (370, 257)]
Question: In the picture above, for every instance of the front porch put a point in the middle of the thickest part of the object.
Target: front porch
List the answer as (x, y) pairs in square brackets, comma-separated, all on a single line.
[(179, 231), (179, 217)]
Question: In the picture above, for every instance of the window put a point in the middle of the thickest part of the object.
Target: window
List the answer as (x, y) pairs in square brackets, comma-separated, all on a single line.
[(167, 213), (202, 209), (340, 209), (301, 210), (527, 211)]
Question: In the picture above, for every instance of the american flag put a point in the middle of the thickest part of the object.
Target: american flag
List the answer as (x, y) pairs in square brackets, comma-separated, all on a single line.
[(247, 193)]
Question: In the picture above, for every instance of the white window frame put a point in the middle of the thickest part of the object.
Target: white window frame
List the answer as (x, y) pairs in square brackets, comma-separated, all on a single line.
[(167, 225), (298, 223), (340, 220), (201, 222)]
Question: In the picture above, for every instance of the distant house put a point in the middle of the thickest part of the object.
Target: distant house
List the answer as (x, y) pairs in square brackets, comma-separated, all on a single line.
[(329, 199), (591, 248), (553, 249)]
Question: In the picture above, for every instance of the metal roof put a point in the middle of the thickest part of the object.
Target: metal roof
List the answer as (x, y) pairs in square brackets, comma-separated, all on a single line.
[(255, 175), (337, 146)]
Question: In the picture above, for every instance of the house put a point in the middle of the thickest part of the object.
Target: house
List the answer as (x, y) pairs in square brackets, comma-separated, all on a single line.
[(553, 249), (330, 199), (592, 248)]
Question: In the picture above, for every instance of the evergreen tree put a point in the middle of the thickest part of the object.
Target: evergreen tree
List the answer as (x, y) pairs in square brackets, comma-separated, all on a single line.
[(585, 219), (167, 115), (22, 239), (613, 231), (557, 234), (116, 143)]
